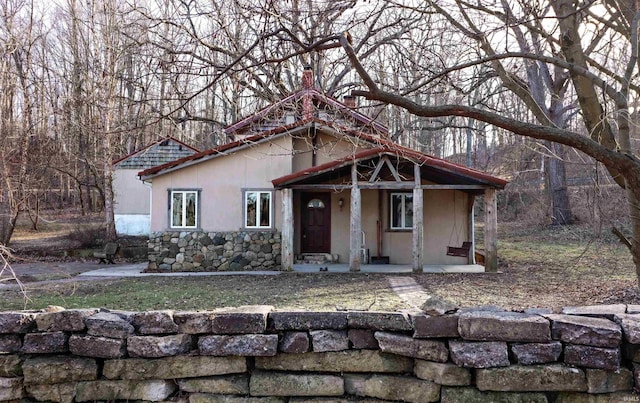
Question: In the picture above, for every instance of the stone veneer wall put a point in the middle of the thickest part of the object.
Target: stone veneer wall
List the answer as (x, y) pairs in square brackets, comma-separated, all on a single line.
[(214, 251), (254, 355)]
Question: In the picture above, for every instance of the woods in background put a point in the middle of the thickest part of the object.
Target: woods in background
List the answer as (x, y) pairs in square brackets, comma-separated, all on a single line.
[(85, 82)]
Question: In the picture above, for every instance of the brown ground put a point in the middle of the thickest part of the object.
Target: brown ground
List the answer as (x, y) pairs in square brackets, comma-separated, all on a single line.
[(539, 267), (546, 267)]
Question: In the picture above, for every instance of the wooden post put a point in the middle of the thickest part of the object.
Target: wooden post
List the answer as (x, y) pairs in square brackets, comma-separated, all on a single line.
[(418, 225), (355, 237), (490, 230), (471, 227), (287, 230)]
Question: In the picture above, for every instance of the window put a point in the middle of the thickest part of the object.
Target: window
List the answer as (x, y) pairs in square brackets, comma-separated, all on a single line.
[(184, 209), (315, 203), (257, 209), (401, 211)]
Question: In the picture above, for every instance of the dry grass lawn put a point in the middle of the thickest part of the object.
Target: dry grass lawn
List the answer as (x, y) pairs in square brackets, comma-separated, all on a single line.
[(539, 267)]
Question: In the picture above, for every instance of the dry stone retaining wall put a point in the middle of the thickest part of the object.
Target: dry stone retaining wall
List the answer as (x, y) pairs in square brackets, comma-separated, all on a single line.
[(254, 354), (214, 251)]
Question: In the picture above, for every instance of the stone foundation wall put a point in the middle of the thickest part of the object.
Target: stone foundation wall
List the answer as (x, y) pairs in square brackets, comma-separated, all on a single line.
[(253, 354), (214, 251)]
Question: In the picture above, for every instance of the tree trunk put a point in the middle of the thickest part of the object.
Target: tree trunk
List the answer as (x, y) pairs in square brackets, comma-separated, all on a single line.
[(110, 224), (557, 187), (6, 217), (634, 214), (107, 191)]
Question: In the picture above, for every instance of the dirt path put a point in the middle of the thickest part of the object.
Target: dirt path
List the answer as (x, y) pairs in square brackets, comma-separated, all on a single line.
[(409, 291)]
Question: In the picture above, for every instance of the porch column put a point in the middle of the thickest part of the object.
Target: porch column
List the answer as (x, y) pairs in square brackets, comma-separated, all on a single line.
[(490, 230), (418, 227), (287, 230), (472, 227), (355, 236)]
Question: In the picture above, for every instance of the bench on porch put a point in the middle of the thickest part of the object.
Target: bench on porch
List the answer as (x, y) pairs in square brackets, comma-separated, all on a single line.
[(462, 251), (108, 253)]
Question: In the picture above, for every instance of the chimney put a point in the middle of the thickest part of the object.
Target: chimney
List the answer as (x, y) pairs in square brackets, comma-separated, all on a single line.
[(307, 101), (349, 101), (307, 77)]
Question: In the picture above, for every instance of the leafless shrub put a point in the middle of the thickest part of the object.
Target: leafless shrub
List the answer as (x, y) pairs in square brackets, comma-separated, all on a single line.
[(87, 235)]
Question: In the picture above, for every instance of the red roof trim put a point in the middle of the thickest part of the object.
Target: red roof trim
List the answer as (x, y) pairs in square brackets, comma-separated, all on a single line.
[(355, 114), (153, 144), (224, 147), (327, 166), (262, 112), (253, 139)]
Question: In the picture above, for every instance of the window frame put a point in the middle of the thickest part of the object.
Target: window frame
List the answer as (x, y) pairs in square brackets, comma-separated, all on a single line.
[(184, 192), (403, 226), (245, 217)]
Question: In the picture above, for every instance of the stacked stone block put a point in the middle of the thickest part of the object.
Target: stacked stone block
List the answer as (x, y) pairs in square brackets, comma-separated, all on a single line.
[(214, 251), (254, 354)]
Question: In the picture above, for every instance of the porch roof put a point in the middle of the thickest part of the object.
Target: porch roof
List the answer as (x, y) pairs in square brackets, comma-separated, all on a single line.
[(433, 169)]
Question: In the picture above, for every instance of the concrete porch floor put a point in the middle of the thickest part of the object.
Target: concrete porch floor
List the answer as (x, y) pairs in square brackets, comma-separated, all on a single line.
[(389, 268), (136, 270)]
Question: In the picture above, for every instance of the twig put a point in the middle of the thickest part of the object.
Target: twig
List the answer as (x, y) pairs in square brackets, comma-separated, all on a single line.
[(623, 239), (375, 299), (5, 267)]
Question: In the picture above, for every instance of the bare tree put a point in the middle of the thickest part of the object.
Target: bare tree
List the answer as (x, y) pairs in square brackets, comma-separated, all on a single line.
[(17, 125), (599, 86)]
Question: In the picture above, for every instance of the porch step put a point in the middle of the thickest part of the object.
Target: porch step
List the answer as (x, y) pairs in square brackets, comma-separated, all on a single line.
[(316, 258)]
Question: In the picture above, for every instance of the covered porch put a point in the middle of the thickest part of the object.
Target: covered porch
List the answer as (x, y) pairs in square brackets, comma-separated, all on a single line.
[(394, 184)]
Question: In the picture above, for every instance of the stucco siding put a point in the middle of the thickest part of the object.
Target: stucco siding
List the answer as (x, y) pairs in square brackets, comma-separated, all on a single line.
[(221, 181), (329, 148), (132, 196), (439, 217)]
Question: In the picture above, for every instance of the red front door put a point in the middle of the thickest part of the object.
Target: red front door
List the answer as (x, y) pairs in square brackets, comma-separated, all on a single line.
[(316, 222)]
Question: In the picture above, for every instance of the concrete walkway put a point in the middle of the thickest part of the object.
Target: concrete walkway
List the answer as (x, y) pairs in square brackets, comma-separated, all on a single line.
[(135, 270), (409, 291)]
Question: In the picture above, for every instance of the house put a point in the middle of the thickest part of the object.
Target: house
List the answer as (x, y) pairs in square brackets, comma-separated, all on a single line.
[(132, 197), (310, 176)]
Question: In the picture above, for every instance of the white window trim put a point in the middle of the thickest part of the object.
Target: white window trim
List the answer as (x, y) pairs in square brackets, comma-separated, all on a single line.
[(184, 210), (245, 216), (403, 215)]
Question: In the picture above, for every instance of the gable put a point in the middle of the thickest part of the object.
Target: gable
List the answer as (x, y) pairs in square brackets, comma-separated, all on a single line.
[(303, 105), (157, 153), (390, 164)]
